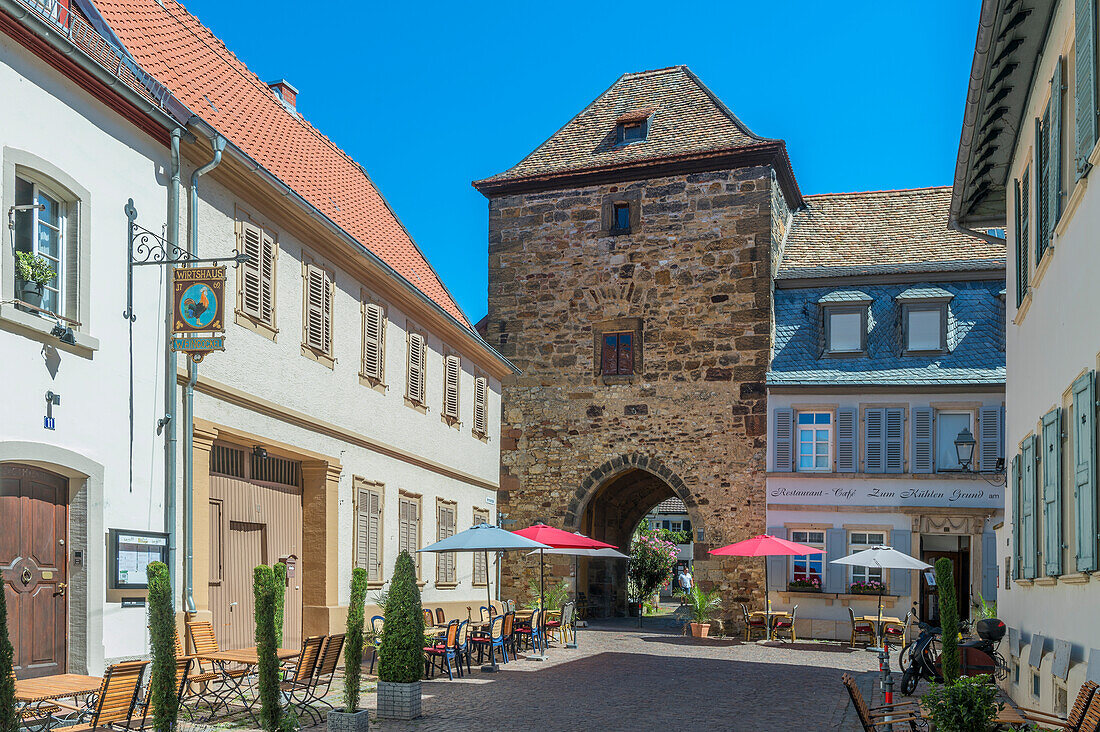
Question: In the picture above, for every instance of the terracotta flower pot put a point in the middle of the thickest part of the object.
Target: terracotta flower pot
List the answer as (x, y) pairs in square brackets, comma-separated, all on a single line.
[(700, 630)]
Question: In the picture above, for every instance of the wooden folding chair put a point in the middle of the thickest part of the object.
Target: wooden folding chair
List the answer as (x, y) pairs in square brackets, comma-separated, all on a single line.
[(1091, 722), (183, 665), (326, 669), (299, 677), (873, 718), (118, 694), (1072, 723)]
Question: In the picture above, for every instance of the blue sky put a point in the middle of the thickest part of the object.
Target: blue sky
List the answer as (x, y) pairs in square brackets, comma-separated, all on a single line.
[(429, 96)]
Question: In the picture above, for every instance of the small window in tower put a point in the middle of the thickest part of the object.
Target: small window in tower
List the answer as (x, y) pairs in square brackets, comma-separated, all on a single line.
[(632, 132), (618, 354), (620, 223)]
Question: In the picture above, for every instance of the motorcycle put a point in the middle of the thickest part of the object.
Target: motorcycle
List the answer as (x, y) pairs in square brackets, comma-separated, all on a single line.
[(921, 658)]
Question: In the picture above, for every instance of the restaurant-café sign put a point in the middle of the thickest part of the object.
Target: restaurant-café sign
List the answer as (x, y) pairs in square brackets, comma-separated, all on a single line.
[(198, 306), (886, 493)]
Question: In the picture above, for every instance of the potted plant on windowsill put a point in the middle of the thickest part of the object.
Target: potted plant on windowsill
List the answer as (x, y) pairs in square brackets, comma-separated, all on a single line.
[(702, 605), (351, 718), (32, 272), (867, 587), (401, 653), (811, 584)]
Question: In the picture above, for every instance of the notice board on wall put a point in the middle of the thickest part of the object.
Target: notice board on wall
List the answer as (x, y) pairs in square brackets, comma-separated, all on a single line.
[(131, 552)]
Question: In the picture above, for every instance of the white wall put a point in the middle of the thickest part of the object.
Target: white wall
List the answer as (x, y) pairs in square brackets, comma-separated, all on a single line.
[(45, 115), (1051, 341)]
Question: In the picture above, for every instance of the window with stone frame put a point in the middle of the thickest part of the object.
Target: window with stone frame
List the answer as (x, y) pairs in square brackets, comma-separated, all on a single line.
[(814, 435), (857, 542), (809, 566), (617, 354), (40, 228), (621, 213)]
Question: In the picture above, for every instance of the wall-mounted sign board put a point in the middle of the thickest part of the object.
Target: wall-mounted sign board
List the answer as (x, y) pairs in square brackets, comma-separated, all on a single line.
[(130, 553)]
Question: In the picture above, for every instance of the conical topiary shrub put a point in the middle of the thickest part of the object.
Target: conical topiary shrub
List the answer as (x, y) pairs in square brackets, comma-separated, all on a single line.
[(401, 653), (949, 619), (280, 600), (350, 718), (163, 693), (9, 720), (267, 670)]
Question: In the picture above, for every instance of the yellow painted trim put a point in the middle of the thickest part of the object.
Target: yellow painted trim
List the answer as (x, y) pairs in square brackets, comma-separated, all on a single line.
[(230, 395)]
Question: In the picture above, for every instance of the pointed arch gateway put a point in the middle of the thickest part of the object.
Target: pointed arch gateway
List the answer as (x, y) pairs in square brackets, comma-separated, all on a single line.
[(608, 505)]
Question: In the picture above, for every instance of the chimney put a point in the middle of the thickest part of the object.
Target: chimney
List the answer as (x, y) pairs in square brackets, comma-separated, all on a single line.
[(285, 92)]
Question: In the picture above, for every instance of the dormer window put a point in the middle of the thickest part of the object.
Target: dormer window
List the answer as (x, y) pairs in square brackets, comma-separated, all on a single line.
[(632, 126), (844, 316), (924, 311)]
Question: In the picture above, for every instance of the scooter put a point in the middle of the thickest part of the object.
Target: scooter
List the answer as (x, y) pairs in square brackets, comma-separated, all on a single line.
[(921, 658)]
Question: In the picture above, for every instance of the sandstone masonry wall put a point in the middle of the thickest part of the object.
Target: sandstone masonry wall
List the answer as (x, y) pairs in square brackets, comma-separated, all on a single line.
[(695, 272)]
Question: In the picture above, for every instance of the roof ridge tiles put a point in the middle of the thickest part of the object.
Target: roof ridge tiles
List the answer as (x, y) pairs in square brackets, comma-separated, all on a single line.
[(884, 192)]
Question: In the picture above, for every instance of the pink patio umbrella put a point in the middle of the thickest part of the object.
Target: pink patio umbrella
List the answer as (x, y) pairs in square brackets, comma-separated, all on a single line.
[(557, 539), (766, 545)]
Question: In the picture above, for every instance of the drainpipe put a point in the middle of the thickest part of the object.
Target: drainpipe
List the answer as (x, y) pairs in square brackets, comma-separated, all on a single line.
[(170, 369), (189, 394)]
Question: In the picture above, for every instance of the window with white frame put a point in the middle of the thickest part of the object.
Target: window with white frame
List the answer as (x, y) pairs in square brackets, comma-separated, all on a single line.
[(948, 426), (810, 566), (857, 542), (815, 438), (40, 230)]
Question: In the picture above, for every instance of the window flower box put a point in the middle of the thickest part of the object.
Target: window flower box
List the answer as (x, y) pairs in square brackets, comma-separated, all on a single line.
[(805, 585), (870, 587)]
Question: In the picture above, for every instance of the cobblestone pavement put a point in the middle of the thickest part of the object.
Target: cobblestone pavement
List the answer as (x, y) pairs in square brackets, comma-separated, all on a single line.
[(622, 678)]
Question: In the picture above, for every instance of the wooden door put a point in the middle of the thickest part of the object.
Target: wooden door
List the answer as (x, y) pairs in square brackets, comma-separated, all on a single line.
[(930, 611), (34, 523), (255, 518)]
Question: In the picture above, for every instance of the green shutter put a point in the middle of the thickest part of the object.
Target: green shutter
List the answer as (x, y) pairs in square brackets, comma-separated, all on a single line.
[(1054, 143), (1052, 492), (1084, 458), (1042, 185), (1025, 227), (1085, 83), (1019, 243), (1016, 516), (1029, 546)]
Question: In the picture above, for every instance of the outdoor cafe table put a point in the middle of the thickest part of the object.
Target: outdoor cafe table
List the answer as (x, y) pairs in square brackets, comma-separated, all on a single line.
[(36, 694), (880, 624), (235, 681), (775, 615)]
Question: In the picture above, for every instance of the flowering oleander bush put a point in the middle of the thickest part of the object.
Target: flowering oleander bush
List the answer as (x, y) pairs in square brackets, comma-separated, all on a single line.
[(867, 587), (813, 584), (651, 563)]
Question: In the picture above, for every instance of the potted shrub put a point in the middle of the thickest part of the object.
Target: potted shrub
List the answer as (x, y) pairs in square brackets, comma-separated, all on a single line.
[(162, 635), (866, 587), (702, 604), (401, 654), (351, 718), (967, 704), (810, 584), (32, 272)]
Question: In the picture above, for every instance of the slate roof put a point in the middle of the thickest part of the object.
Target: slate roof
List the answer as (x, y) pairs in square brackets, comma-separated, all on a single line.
[(185, 56), (686, 118), (975, 340), (882, 232)]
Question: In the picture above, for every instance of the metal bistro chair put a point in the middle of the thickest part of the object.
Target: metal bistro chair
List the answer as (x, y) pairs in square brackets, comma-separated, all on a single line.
[(491, 641), (118, 694), (299, 678), (326, 669), (440, 616), (781, 624), (486, 614), (559, 627), (1076, 717), (896, 632), (861, 629), (464, 647), (533, 632), (445, 652), (753, 623), (873, 718), (376, 627)]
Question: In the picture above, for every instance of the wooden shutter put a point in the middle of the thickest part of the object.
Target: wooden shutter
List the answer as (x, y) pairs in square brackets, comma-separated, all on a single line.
[(1042, 231), (1085, 82), (895, 440), (922, 454), (777, 565), (1029, 544), (1025, 225), (416, 368), (362, 530), (989, 565), (1084, 458), (251, 280), (452, 369), (1055, 143), (1017, 518), (836, 575), (318, 309), (374, 540), (902, 540), (1052, 492), (784, 439), (374, 324), (71, 255), (990, 437), (874, 440), (481, 572), (1020, 242), (267, 280), (445, 563), (481, 405), (847, 440)]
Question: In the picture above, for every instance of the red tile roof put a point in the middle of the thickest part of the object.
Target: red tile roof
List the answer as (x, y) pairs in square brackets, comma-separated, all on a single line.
[(185, 56)]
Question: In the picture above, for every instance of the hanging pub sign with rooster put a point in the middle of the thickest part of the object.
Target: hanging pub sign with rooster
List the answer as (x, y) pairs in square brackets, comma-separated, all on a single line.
[(198, 308)]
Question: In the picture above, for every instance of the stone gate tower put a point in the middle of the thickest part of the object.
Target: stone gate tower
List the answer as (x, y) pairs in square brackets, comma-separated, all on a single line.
[(630, 268)]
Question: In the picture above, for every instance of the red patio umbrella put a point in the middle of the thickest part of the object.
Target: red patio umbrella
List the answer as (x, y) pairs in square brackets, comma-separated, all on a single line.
[(557, 539), (766, 545)]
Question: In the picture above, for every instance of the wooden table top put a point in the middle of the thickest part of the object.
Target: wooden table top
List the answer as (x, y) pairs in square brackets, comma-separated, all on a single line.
[(245, 655), (774, 613), (877, 619), (60, 686)]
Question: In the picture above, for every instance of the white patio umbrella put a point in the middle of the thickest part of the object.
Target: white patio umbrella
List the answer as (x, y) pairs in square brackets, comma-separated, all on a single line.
[(486, 538), (882, 557)]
